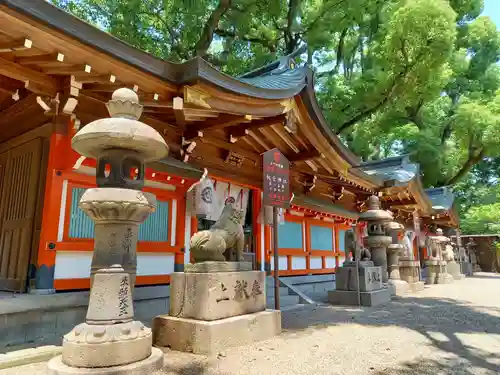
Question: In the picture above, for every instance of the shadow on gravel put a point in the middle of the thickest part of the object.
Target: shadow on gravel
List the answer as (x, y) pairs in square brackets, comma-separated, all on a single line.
[(432, 317), (429, 367)]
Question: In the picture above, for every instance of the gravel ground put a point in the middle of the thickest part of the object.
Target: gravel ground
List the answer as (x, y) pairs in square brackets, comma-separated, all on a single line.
[(445, 329)]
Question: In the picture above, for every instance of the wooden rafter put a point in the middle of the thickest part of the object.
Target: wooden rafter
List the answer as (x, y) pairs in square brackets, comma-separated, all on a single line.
[(232, 147), (220, 122), (259, 140), (303, 156), (40, 59), (244, 129), (78, 69), (21, 73), (15, 45)]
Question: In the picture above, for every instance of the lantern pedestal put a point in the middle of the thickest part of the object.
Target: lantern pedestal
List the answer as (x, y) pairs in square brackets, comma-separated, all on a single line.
[(213, 311), (372, 292), (110, 340), (409, 271)]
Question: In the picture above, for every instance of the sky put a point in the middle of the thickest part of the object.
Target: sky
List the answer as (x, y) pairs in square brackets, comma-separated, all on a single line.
[(492, 9)]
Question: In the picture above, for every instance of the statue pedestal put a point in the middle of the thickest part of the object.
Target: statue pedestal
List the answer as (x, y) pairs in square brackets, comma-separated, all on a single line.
[(447, 278), (370, 281), (409, 271), (213, 311), (454, 270)]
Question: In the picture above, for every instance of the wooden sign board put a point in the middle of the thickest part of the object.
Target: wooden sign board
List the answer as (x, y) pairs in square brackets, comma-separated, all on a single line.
[(276, 179)]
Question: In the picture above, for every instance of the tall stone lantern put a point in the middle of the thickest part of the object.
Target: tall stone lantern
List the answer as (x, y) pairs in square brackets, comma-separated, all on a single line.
[(377, 240), (394, 250), (110, 341)]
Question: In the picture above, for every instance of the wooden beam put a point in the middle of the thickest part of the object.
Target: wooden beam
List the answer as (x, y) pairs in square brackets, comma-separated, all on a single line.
[(103, 87), (189, 108), (40, 59), (244, 129), (220, 122), (303, 156), (232, 147), (69, 70), (21, 73), (10, 86), (16, 45), (94, 78)]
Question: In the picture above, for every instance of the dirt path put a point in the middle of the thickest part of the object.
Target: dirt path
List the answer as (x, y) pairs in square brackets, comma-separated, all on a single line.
[(446, 329)]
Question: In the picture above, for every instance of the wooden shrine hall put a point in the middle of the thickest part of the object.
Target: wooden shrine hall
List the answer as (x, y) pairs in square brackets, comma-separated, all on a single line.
[(56, 74)]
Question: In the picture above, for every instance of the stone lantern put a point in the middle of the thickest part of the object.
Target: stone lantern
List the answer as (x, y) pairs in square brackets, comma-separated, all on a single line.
[(394, 250), (435, 265), (471, 248), (110, 341), (445, 256), (377, 240)]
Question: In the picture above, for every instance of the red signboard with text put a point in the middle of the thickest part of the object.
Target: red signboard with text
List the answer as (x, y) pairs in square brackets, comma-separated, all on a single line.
[(276, 179)]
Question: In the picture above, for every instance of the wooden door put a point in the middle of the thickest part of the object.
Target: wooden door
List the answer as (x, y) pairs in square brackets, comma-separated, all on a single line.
[(18, 200)]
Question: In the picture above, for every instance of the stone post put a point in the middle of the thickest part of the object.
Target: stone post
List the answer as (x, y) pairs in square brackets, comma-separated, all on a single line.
[(394, 250), (377, 240), (110, 341)]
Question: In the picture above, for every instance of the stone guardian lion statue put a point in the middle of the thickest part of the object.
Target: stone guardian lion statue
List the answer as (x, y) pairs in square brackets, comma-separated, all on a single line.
[(222, 239)]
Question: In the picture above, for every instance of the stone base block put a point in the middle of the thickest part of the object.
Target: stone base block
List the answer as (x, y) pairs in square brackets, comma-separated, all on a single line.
[(208, 338), (350, 298), (416, 287), (370, 277), (443, 278), (398, 287), (211, 266), (147, 366), (216, 295)]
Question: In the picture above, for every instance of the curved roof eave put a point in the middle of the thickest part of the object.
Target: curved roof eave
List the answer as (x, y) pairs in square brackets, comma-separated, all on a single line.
[(275, 88), (308, 96)]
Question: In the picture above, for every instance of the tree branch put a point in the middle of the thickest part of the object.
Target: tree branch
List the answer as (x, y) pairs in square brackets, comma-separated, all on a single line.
[(269, 44), (472, 160), (207, 34)]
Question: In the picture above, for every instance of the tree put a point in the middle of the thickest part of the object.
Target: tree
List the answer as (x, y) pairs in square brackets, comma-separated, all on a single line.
[(392, 76)]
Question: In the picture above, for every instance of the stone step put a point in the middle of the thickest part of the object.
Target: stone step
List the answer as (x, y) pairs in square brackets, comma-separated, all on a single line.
[(270, 291), (286, 300)]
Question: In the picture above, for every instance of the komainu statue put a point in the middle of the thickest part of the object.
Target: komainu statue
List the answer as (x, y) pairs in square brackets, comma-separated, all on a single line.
[(353, 247), (223, 239)]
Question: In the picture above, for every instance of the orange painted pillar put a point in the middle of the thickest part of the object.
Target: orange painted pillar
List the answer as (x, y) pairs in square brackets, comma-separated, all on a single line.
[(59, 153), (337, 245), (267, 248), (180, 232), (256, 228)]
